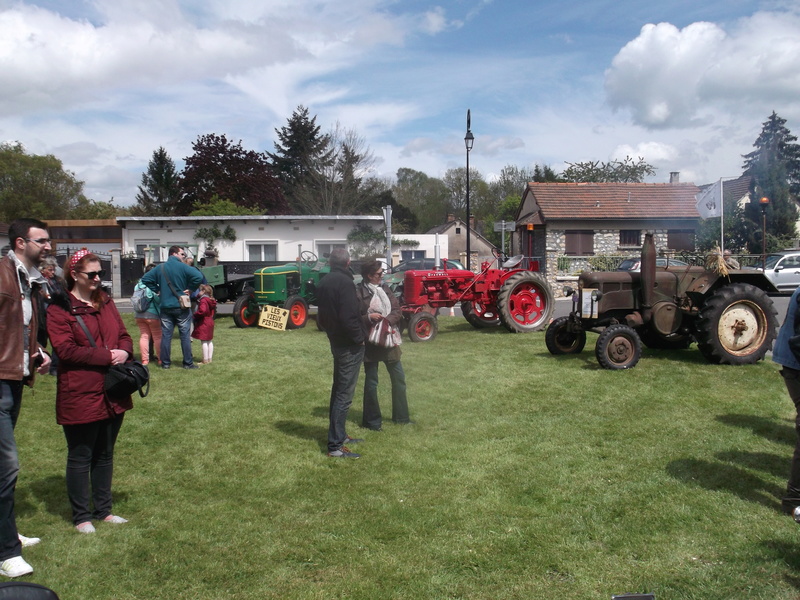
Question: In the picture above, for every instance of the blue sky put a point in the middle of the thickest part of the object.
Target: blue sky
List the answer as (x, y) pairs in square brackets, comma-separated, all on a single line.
[(686, 85)]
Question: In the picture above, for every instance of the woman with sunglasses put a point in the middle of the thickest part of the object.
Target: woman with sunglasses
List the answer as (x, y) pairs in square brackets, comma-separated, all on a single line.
[(379, 303), (91, 419)]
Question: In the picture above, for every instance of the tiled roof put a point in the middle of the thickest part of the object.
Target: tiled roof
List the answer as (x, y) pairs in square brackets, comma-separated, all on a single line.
[(735, 189), (613, 200)]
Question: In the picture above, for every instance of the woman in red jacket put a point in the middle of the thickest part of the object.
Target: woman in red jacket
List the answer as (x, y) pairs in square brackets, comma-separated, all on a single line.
[(91, 418)]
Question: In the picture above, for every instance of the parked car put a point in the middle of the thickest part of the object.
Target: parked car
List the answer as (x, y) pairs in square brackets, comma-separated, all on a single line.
[(635, 264), (783, 270)]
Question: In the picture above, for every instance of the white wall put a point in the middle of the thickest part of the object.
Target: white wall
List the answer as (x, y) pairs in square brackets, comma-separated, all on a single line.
[(313, 233), (427, 243)]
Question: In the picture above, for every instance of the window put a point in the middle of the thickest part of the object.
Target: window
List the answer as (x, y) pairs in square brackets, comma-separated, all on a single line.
[(411, 254), (579, 243), (324, 248), (681, 239), (630, 237), (154, 254), (262, 252)]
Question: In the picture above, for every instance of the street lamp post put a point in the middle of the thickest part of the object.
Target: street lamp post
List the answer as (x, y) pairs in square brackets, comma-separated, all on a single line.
[(469, 139), (764, 202)]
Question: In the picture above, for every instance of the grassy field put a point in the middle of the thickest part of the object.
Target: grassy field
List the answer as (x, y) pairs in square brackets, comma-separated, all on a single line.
[(525, 476)]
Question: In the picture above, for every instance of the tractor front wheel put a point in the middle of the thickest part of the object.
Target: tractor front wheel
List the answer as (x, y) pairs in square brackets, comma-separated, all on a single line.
[(480, 315), (525, 302), (298, 312), (563, 338), (422, 327), (618, 347), (246, 311)]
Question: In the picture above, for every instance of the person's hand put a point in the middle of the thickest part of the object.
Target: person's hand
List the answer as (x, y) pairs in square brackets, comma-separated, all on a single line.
[(118, 357), (375, 316), (44, 368)]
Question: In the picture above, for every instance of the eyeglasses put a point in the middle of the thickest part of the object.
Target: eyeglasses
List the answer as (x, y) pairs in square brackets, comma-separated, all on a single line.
[(92, 274), (39, 241)]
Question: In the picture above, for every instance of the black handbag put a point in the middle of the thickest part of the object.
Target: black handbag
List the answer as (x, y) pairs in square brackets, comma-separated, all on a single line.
[(122, 380)]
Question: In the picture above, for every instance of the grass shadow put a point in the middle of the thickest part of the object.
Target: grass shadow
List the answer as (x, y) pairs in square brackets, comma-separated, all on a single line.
[(304, 431), (716, 476), (52, 492), (767, 428), (773, 464)]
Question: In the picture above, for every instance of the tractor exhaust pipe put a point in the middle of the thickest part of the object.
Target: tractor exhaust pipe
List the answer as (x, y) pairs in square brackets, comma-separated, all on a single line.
[(648, 276)]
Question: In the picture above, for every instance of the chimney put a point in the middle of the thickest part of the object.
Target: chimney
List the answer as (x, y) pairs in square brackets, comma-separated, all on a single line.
[(451, 217), (472, 222), (675, 177)]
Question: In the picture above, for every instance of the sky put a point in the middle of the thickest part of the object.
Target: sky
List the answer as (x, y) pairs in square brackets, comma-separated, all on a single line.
[(686, 85)]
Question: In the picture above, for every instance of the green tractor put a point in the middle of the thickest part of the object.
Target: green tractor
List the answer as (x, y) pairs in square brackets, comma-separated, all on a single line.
[(292, 286)]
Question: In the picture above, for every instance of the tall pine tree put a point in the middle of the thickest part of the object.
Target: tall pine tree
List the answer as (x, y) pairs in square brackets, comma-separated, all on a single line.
[(301, 154), (160, 189), (774, 166)]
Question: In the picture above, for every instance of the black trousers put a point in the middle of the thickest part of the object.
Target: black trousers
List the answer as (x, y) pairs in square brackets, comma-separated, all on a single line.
[(90, 460)]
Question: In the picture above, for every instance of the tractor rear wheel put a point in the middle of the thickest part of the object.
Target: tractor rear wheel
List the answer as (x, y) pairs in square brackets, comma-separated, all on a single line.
[(561, 338), (246, 311), (736, 325), (480, 315), (525, 302), (618, 347), (422, 327), (298, 312)]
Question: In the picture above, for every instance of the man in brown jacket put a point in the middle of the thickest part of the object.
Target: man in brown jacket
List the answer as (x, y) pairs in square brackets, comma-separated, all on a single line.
[(20, 357)]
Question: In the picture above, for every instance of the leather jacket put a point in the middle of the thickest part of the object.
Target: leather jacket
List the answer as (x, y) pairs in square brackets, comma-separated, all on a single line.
[(12, 330)]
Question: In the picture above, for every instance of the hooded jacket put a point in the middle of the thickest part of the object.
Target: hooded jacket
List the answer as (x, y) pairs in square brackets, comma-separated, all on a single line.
[(204, 318), (80, 395)]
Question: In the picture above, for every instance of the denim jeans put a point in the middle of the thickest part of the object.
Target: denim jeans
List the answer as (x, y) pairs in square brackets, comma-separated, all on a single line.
[(170, 317), (791, 378), (372, 418), (90, 459), (346, 366), (10, 402)]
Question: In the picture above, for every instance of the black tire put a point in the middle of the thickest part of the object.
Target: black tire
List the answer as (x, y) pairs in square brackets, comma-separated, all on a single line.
[(422, 327), (737, 325), (525, 302), (479, 315), (560, 338), (246, 311), (298, 312), (618, 347), (656, 341)]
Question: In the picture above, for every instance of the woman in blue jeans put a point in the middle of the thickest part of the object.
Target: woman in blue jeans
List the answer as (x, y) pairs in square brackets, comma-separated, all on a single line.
[(378, 303)]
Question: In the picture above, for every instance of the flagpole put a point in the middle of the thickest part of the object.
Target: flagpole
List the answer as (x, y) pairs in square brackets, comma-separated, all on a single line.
[(721, 219)]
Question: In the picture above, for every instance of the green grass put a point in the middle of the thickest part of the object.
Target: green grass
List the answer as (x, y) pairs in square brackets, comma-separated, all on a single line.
[(526, 476)]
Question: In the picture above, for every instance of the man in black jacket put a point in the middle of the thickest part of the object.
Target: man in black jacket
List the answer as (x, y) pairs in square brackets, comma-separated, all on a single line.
[(340, 317)]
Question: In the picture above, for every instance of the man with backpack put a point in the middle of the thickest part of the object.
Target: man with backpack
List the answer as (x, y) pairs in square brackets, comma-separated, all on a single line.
[(173, 280)]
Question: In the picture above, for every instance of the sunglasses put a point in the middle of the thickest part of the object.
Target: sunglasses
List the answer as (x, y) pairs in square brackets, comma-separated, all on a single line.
[(92, 274)]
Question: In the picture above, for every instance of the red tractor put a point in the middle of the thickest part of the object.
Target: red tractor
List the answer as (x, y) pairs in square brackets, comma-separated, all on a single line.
[(521, 300)]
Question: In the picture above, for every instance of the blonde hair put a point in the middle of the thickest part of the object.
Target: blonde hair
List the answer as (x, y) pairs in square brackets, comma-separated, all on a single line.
[(206, 289)]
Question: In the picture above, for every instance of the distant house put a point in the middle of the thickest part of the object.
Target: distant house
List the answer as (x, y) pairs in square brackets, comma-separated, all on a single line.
[(456, 231), (565, 224)]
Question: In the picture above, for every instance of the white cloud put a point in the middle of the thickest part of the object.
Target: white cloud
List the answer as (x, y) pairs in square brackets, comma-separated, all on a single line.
[(670, 77)]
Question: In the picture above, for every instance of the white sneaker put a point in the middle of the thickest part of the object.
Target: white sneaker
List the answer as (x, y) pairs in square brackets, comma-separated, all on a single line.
[(26, 541), (15, 567), (85, 527), (115, 519), (796, 514)]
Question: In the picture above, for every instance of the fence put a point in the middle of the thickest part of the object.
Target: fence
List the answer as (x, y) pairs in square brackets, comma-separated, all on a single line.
[(575, 265)]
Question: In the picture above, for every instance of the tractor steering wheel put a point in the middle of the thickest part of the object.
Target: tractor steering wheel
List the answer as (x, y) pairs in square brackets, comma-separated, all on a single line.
[(308, 257)]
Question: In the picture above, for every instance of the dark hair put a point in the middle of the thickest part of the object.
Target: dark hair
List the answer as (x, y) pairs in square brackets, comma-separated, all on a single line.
[(175, 249), (78, 266), (150, 267), (19, 228), (370, 268), (339, 258)]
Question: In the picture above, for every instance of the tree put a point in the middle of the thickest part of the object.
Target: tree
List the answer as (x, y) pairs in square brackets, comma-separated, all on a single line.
[(37, 186), (160, 190), (216, 207), (221, 168), (332, 184), (775, 168), (615, 171), (300, 152), (426, 197)]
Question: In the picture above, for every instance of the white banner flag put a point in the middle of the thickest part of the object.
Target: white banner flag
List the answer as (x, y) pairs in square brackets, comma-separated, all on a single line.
[(708, 201)]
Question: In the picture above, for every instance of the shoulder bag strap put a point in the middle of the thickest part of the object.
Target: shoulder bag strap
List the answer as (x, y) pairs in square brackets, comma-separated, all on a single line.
[(169, 283), (86, 330)]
